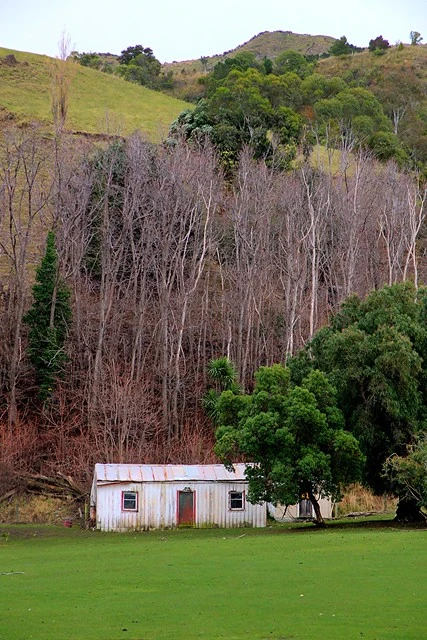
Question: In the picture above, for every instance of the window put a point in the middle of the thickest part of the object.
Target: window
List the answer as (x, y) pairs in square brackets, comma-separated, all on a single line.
[(236, 500), (129, 501)]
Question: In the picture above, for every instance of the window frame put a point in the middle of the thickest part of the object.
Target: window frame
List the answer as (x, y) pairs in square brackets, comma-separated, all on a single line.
[(136, 508), (243, 497)]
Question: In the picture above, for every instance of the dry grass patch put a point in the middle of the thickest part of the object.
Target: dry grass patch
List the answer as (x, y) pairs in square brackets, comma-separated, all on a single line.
[(358, 499), (36, 509)]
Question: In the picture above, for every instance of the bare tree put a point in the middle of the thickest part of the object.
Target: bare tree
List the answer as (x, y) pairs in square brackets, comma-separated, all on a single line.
[(63, 70), (416, 213), (25, 194)]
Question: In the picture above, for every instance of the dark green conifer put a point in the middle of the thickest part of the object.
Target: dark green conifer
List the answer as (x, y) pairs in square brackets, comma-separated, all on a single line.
[(48, 320)]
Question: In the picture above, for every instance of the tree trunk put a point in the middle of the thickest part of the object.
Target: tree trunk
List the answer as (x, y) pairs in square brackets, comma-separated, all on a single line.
[(319, 521), (408, 511)]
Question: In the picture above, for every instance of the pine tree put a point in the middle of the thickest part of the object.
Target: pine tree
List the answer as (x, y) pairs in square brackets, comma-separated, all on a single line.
[(49, 320)]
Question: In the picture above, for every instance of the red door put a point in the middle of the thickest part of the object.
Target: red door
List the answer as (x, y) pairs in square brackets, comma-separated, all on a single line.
[(186, 508)]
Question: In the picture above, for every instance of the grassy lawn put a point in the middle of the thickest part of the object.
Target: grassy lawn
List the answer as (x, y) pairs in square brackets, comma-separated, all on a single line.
[(344, 582)]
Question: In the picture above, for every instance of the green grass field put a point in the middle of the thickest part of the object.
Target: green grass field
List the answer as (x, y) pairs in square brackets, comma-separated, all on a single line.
[(343, 582), (98, 102)]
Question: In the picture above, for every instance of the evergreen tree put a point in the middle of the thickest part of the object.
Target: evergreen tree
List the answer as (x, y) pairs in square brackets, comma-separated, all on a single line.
[(293, 435), (375, 354), (48, 319)]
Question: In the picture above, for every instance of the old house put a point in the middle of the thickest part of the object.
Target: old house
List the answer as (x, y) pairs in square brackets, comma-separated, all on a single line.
[(147, 496)]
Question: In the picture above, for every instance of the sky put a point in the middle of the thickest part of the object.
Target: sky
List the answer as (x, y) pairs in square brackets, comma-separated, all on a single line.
[(188, 29)]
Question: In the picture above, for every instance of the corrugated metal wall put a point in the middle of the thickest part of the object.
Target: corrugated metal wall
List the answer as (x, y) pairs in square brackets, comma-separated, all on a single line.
[(157, 506), (292, 512)]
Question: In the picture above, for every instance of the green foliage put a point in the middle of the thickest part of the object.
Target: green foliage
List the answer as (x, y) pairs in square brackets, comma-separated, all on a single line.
[(138, 64), (223, 374), (375, 354), (268, 66), (241, 61), (385, 145), (359, 111), (398, 79), (342, 47), (132, 53), (378, 44), (350, 103), (88, 59), (408, 474), (108, 171), (292, 61), (317, 87), (415, 37), (293, 435), (245, 109), (48, 320), (375, 108)]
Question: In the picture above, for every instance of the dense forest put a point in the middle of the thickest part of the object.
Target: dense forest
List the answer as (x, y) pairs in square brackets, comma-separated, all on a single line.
[(136, 264)]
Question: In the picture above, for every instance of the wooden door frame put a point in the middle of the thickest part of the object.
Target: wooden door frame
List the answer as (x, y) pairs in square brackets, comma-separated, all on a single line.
[(178, 492)]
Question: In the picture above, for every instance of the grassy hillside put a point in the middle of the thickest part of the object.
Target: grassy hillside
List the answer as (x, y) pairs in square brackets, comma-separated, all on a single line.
[(98, 103), (368, 68), (398, 78)]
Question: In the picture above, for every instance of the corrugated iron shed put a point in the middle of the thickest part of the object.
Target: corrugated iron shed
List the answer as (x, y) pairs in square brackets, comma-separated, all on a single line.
[(168, 473), (171, 495)]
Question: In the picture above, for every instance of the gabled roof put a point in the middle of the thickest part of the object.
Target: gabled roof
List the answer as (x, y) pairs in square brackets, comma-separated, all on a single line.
[(167, 472)]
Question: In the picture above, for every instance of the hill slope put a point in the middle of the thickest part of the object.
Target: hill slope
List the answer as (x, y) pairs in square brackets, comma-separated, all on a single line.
[(98, 102), (268, 44), (398, 78)]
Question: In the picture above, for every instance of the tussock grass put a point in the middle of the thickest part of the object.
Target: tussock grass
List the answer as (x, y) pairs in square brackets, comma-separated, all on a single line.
[(360, 499), (278, 583)]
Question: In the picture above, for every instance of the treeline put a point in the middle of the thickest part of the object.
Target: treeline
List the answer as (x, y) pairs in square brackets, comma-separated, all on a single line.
[(136, 64), (170, 264), (270, 106), (246, 99)]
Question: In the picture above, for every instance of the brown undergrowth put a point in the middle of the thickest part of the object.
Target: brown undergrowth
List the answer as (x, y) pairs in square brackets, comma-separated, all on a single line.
[(359, 499)]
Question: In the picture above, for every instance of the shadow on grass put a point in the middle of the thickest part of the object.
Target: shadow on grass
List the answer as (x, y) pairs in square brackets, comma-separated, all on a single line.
[(378, 522)]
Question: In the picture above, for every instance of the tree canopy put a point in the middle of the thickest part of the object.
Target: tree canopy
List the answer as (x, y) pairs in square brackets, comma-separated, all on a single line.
[(267, 107), (133, 52), (48, 319), (247, 108), (342, 47), (139, 65), (292, 434), (378, 44), (415, 37), (375, 354)]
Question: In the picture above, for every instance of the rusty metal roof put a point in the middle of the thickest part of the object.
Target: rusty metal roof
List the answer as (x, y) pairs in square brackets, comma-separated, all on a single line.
[(167, 472)]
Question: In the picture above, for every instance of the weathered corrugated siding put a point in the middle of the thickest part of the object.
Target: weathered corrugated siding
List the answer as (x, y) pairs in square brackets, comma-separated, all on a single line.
[(157, 506), (292, 511)]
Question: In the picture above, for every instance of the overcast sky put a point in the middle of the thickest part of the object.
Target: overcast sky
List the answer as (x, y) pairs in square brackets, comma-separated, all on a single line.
[(187, 29)]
